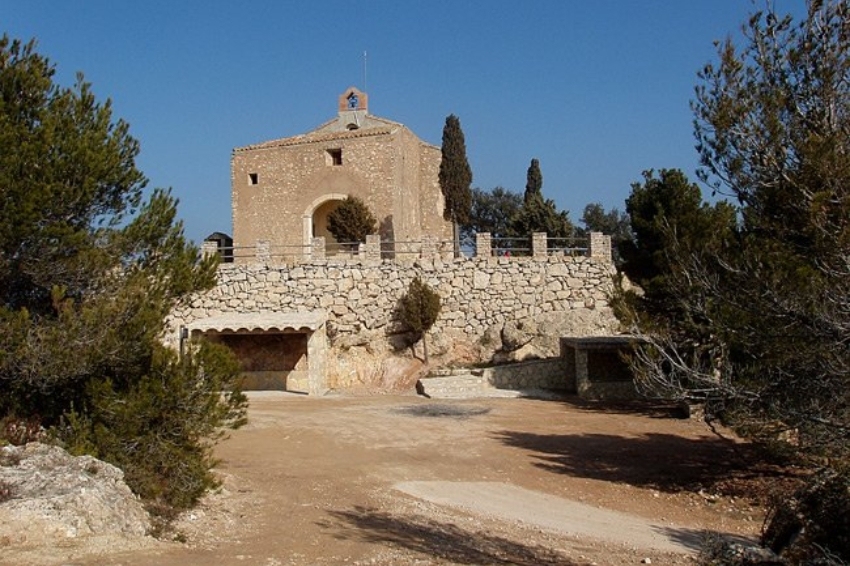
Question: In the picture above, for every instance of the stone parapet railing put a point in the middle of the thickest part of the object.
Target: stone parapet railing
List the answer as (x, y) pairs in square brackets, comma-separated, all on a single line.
[(597, 246)]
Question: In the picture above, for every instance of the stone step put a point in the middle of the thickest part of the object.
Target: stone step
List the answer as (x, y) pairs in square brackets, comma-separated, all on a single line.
[(461, 386)]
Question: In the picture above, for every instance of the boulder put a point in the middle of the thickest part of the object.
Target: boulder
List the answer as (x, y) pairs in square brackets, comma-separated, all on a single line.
[(518, 333), (59, 496)]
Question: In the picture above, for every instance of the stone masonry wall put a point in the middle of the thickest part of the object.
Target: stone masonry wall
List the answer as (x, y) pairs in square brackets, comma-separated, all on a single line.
[(277, 185), (360, 296)]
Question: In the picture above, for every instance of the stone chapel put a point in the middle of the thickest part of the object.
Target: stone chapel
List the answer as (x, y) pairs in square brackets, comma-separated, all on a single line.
[(283, 190)]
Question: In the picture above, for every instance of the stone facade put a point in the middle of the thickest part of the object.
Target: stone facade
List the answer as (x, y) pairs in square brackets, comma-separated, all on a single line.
[(359, 297), (283, 190)]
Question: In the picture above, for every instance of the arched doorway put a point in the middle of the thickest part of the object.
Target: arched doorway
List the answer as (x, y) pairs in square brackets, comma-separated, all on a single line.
[(316, 221)]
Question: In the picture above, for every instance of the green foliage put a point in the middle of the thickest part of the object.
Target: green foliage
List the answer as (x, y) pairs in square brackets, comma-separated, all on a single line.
[(756, 322), (494, 212), (160, 428), (675, 234), (455, 174), (542, 215), (64, 166), (455, 177), (88, 273), (814, 518), (352, 221), (534, 181), (613, 223), (508, 215), (419, 308), (539, 214), (773, 126), (666, 212)]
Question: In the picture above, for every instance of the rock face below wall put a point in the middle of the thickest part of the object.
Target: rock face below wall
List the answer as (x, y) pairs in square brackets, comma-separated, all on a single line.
[(493, 309)]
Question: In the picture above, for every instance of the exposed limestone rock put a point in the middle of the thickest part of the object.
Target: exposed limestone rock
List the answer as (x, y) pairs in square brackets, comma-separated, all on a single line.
[(523, 353), (362, 338), (400, 374), (518, 333), (57, 496), (579, 322)]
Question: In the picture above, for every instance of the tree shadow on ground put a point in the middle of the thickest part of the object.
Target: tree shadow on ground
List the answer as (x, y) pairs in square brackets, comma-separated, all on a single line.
[(435, 539), (665, 462), (656, 409), (695, 539)]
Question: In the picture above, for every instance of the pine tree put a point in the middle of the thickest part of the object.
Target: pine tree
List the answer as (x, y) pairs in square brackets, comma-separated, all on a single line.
[(756, 324), (89, 271), (455, 177)]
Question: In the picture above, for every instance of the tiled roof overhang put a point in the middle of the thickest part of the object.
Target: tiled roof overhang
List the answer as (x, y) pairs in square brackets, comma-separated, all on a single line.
[(263, 322)]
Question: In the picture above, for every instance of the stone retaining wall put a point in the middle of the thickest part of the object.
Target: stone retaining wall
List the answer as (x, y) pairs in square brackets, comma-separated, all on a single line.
[(549, 374), (536, 374), (362, 296)]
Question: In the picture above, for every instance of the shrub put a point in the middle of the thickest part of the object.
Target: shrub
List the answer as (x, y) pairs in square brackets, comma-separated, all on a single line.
[(813, 526), (161, 430), (351, 221), (419, 309), (18, 431)]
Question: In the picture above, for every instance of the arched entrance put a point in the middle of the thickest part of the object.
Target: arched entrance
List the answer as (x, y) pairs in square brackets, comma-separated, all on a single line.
[(316, 221)]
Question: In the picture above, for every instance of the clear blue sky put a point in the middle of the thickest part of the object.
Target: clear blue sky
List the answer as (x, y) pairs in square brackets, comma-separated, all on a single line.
[(597, 90)]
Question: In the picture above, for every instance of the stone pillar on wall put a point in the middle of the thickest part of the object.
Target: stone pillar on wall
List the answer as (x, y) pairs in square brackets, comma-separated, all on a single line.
[(317, 347), (483, 244), (539, 244), (209, 248), (317, 248), (371, 250), (430, 248), (599, 246), (264, 251)]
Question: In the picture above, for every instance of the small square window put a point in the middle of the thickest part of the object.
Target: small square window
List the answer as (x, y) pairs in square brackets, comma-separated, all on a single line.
[(253, 178), (335, 156)]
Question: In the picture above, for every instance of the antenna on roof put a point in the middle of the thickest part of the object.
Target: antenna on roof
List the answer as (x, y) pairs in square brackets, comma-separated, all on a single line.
[(364, 72)]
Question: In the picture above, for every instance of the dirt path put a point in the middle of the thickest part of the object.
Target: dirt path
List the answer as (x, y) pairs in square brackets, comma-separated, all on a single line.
[(507, 502), (403, 480)]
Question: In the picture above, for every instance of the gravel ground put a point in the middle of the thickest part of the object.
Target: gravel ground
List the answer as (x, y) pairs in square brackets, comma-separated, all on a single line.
[(401, 480)]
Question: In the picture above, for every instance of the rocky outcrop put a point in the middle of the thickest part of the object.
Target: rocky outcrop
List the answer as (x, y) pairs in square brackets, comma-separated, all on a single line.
[(51, 495)]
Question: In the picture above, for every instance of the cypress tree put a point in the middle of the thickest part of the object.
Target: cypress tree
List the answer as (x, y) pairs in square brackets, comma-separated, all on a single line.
[(455, 177), (534, 181), (539, 214)]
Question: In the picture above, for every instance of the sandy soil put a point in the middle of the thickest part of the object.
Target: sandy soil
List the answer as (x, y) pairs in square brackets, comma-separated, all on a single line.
[(406, 480)]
